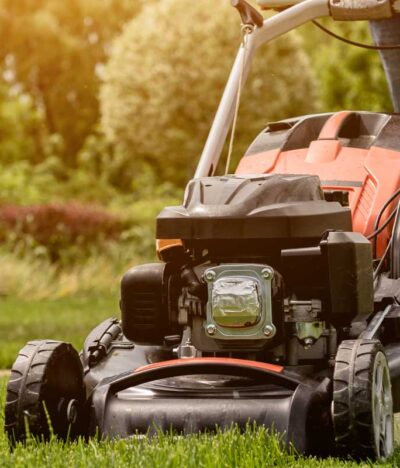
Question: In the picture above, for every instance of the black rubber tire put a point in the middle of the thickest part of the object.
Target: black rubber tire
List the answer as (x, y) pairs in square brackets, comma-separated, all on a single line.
[(353, 395), (46, 379)]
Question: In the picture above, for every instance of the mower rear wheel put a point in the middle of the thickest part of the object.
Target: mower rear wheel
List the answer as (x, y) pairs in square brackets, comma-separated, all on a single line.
[(45, 392), (362, 407)]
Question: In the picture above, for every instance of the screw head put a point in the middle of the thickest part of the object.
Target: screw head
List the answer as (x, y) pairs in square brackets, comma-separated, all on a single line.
[(267, 273), (211, 329), (269, 331), (210, 275)]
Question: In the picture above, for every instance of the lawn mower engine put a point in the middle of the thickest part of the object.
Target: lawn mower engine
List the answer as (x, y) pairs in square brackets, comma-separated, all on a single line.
[(267, 268)]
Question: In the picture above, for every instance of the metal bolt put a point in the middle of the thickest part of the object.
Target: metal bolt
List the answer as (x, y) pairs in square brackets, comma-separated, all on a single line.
[(308, 342), (267, 273), (269, 331), (210, 275), (211, 329)]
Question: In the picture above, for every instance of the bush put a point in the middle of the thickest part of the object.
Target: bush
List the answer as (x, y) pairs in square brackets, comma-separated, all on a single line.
[(22, 182), (103, 169), (58, 231), (167, 72)]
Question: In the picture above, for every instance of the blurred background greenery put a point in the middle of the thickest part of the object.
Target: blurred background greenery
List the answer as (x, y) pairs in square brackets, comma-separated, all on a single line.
[(104, 109)]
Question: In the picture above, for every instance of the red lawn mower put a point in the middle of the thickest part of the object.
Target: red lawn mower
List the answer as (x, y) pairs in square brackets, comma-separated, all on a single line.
[(277, 298)]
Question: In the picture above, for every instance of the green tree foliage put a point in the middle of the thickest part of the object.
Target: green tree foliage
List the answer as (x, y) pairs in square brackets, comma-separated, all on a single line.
[(167, 72), (21, 129), (349, 77), (54, 49)]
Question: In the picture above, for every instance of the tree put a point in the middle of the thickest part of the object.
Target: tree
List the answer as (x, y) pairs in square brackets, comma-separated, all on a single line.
[(54, 50), (167, 72), (21, 128), (349, 77)]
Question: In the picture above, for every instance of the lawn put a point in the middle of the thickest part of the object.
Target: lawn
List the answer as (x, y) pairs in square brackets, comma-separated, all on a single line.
[(230, 449), (71, 319), (67, 319)]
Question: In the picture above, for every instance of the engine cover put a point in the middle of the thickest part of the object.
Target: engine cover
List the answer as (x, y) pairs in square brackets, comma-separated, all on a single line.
[(253, 207)]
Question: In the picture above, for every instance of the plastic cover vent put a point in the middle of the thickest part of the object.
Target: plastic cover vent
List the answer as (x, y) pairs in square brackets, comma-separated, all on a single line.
[(366, 200)]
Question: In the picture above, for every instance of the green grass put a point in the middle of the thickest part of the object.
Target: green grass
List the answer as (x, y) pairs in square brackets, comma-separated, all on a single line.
[(254, 448), (67, 319), (71, 319)]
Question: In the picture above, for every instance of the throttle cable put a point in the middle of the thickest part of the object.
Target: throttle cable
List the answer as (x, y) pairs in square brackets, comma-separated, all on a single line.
[(354, 43)]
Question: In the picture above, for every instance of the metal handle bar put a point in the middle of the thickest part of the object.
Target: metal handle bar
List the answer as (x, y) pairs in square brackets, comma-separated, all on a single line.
[(281, 4)]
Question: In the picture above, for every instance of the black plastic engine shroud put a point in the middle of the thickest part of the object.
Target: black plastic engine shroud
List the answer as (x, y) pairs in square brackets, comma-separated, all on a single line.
[(253, 207)]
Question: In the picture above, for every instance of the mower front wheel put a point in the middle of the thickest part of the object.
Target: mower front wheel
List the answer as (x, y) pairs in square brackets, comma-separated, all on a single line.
[(362, 407), (45, 392)]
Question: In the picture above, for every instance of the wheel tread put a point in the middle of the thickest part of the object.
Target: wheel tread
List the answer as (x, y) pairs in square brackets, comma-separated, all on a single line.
[(27, 384), (352, 393)]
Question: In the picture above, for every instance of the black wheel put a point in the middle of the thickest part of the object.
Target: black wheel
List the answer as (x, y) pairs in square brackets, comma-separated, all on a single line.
[(362, 406), (45, 392)]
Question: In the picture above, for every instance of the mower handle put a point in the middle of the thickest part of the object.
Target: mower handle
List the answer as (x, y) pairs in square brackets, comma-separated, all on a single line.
[(372, 9), (273, 27)]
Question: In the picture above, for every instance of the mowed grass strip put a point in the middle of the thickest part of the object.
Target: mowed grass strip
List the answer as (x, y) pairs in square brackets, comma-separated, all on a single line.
[(67, 319)]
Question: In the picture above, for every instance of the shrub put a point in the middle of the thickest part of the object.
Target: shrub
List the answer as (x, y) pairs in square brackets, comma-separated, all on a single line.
[(167, 72), (22, 182), (58, 231)]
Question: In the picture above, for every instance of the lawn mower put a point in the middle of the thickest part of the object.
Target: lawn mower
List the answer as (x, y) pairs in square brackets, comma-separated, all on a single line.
[(276, 301)]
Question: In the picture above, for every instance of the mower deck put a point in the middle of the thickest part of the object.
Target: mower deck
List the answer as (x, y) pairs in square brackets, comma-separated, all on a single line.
[(195, 395)]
